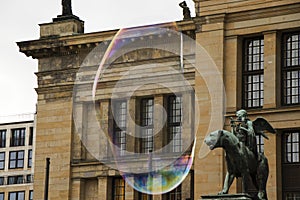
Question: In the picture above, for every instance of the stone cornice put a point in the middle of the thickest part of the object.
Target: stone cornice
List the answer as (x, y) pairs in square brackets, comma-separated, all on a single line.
[(72, 44)]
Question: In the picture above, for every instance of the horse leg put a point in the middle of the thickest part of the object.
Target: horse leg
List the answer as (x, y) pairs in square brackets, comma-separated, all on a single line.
[(262, 177), (245, 180), (254, 181), (227, 183)]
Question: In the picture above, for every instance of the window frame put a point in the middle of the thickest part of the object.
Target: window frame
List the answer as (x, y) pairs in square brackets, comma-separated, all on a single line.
[(29, 158), (3, 161), (147, 125), (253, 73), (17, 193), (31, 132), (30, 195), (175, 194), (120, 125), (260, 144), (291, 151), (287, 67), (2, 180), (290, 167), (173, 123), (17, 137), (17, 159), (2, 195), (3, 138), (17, 179), (118, 185)]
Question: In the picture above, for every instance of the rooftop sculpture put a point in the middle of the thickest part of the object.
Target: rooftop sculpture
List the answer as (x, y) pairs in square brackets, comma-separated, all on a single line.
[(186, 11), (242, 158), (66, 7)]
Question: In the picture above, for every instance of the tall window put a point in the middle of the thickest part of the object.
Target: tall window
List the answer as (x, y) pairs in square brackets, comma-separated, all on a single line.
[(17, 137), (31, 195), (20, 195), (292, 145), (143, 196), (175, 123), (2, 160), (30, 136), (16, 159), (291, 164), (120, 123), (29, 158), (253, 73), (29, 178), (291, 69), (15, 179), (2, 138), (174, 194), (260, 143), (118, 189), (147, 110), (1, 180), (1, 195)]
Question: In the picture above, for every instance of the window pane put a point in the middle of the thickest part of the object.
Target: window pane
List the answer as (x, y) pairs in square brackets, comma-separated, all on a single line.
[(147, 110), (120, 125), (21, 195), (12, 196), (291, 69), (175, 123), (253, 73), (292, 147), (2, 138)]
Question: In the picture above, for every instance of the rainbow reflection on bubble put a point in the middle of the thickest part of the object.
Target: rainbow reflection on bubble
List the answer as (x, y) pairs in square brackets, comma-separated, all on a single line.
[(163, 180), (161, 170)]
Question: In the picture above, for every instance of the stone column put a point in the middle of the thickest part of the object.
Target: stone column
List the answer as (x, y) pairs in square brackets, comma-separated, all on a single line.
[(129, 192), (78, 186), (233, 76), (209, 168), (131, 124), (103, 188), (188, 113), (271, 76)]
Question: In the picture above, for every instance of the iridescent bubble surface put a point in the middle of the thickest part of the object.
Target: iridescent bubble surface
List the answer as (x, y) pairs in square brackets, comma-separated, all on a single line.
[(163, 180), (160, 170)]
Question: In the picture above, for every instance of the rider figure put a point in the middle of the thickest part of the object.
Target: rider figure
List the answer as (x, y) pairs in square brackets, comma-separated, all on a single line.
[(244, 130)]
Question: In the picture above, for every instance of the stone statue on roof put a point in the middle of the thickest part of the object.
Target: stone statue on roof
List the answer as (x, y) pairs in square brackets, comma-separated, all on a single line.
[(66, 7), (186, 11)]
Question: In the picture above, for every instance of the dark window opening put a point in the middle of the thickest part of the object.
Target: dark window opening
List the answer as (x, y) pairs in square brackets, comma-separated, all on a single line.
[(253, 73), (17, 137), (291, 69), (175, 123), (120, 125), (16, 159), (147, 111)]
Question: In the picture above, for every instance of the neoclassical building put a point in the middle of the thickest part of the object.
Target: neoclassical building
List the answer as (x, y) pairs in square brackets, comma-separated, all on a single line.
[(170, 87)]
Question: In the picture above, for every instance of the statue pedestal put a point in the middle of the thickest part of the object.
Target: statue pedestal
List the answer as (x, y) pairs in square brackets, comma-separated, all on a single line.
[(227, 197), (62, 26)]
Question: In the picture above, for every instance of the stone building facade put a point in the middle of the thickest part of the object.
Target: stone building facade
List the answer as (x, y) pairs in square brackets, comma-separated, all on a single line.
[(17, 157), (254, 45)]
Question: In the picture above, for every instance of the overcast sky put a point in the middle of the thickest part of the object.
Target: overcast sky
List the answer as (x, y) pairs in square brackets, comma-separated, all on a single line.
[(19, 22)]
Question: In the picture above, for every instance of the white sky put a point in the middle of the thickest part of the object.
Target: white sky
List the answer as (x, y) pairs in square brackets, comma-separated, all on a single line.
[(19, 22)]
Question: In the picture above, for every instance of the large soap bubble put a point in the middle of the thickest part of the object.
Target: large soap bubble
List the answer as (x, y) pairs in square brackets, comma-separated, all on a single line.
[(120, 68)]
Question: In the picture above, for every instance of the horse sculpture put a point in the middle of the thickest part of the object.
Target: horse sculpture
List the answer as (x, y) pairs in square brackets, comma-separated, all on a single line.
[(242, 160)]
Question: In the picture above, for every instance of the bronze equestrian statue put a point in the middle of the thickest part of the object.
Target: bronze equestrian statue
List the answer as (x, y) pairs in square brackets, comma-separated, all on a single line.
[(242, 158)]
